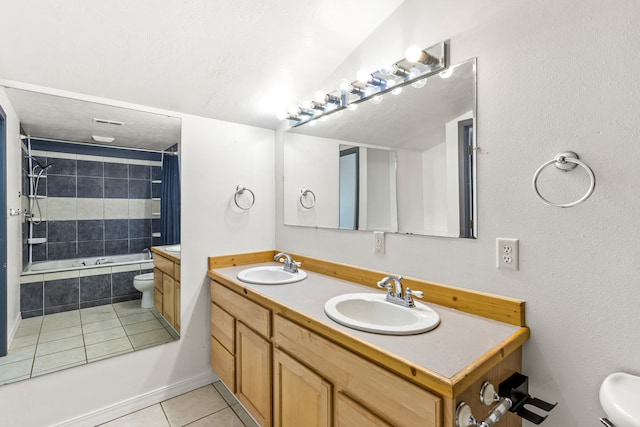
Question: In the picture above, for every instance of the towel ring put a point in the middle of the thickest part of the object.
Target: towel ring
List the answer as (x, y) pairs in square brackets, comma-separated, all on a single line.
[(240, 189), (303, 192), (566, 162)]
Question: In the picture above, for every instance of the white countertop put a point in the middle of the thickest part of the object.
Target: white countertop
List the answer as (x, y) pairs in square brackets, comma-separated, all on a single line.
[(458, 341)]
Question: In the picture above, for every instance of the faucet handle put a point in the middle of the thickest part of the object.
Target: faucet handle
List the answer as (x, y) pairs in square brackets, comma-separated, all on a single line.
[(410, 293)]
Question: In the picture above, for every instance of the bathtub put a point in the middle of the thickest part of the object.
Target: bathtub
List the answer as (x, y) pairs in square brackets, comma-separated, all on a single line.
[(81, 263), (49, 287)]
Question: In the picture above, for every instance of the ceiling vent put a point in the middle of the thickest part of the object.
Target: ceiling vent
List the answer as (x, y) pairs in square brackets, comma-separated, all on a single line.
[(108, 122)]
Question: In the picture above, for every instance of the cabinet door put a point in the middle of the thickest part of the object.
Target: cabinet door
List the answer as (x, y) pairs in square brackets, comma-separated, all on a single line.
[(253, 373), (168, 299), (352, 414), (301, 397)]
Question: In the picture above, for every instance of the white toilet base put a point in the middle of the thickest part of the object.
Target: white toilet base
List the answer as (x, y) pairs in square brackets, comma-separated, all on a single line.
[(147, 300)]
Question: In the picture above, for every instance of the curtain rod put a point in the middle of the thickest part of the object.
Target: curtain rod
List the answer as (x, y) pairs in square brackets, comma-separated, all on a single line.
[(174, 153)]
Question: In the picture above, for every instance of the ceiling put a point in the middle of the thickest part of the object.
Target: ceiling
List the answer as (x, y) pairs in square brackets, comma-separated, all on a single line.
[(239, 61)]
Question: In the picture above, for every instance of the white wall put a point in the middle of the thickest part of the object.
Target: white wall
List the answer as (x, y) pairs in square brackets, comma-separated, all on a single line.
[(215, 158), (304, 153), (552, 76), (14, 223)]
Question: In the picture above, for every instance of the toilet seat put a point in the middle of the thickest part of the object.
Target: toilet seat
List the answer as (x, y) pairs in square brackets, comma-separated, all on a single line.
[(145, 276)]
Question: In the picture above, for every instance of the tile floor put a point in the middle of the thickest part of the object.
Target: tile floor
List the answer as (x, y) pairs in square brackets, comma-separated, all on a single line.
[(209, 406), (58, 341)]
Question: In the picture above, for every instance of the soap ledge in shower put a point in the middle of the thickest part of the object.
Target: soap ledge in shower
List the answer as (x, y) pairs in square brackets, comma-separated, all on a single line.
[(37, 240)]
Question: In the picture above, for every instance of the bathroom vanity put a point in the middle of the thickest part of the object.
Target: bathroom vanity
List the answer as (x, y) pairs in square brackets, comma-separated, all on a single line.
[(166, 284), (288, 363)]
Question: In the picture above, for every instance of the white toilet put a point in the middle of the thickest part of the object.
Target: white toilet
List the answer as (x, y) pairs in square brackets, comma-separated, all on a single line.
[(144, 283)]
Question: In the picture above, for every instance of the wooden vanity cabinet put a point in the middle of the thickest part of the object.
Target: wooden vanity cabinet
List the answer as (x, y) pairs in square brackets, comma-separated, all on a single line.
[(166, 289), (241, 351)]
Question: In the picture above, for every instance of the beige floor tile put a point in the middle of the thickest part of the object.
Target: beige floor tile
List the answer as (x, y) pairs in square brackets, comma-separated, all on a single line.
[(61, 359), (17, 355), (104, 335), (59, 345), (105, 348), (97, 314), (125, 307), (192, 406), (60, 321), (21, 342), (14, 371), (88, 328), (137, 317), (223, 418), (138, 328), (31, 321), (59, 334), (25, 331), (244, 415), (151, 416), (147, 339), (225, 393)]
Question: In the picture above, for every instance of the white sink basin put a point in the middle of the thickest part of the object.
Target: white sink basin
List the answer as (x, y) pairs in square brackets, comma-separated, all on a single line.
[(270, 275), (619, 397), (175, 248), (371, 313)]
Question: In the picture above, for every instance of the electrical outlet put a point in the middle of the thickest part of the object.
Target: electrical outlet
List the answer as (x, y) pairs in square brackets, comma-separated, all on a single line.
[(507, 254), (378, 242)]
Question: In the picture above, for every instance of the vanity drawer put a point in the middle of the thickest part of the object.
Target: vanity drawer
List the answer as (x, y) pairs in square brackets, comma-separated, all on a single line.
[(163, 264), (360, 379), (223, 328), (350, 414), (223, 363), (248, 312)]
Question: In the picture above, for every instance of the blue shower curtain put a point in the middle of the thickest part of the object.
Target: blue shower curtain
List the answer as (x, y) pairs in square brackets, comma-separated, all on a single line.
[(170, 201)]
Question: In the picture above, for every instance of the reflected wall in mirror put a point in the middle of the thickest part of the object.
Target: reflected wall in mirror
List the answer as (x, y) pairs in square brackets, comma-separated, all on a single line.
[(415, 170), (98, 184)]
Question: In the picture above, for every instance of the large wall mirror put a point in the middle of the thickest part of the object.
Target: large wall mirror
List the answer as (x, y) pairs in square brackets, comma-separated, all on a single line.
[(100, 185), (402, 162)]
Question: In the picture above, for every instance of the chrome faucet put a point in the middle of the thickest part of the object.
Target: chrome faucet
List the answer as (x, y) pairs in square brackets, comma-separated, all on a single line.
[(101, 261), (148, 252), (289, 264), (394, 292)]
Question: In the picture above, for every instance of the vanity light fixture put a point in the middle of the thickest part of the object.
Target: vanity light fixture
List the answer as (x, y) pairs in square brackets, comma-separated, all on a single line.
[(414, 69)]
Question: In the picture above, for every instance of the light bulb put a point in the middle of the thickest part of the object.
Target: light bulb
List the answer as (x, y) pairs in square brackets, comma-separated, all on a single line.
[(414, 54), (345, 85), (419, 83), (293, 110), (363, 76), (306, 104), (446, 73), (320, 96)]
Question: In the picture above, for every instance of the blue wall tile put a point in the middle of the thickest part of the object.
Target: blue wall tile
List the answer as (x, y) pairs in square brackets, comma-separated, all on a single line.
[(116, 229), (138, 245), (92, 188), (61, 292), (139, 189), (116, 247), (62, 231), (62, 166), (56, 251), (156, 172), (116, 170), (91, 230), (116, 188), (122, 283), (31, 296), (139, 228), (90, 168), (95, 287), (139, 172), (91, 249), (61, 186)]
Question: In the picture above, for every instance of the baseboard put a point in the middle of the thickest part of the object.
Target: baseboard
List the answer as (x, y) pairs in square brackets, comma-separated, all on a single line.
[(133, 404)]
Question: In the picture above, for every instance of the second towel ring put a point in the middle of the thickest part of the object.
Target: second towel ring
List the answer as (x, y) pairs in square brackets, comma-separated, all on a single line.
[(303, 193), (565, 161), (240, 189)]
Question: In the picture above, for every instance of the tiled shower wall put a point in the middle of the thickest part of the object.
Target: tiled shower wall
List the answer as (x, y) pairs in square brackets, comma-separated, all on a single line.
[(99, 204)]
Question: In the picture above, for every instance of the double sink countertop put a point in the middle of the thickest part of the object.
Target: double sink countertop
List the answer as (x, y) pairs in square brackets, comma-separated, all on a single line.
[(458, 343)]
